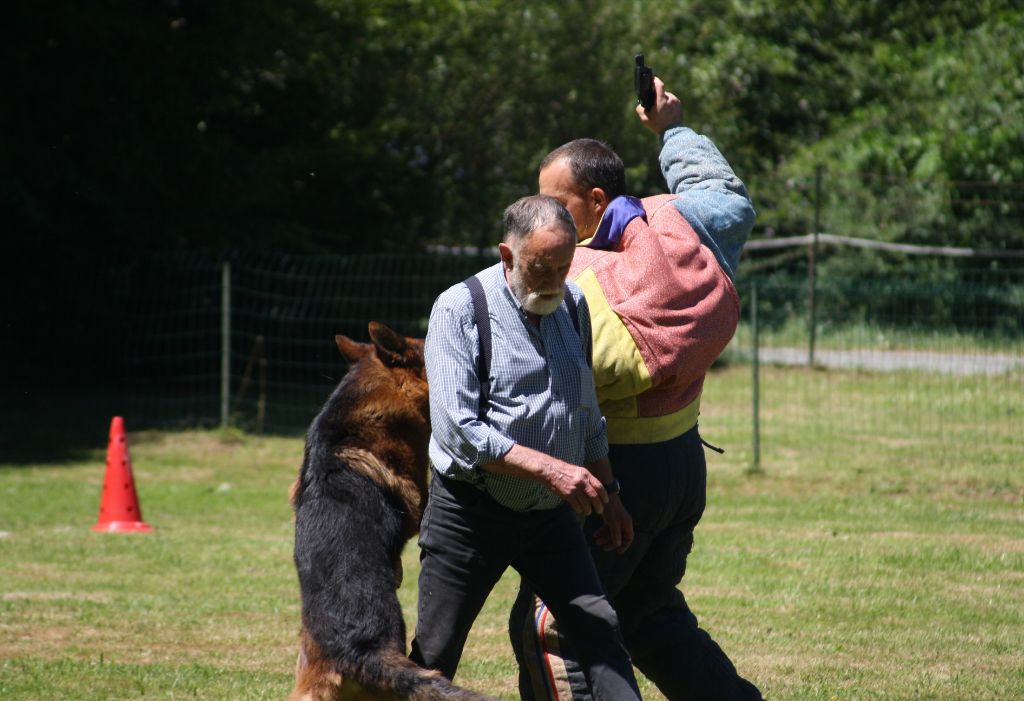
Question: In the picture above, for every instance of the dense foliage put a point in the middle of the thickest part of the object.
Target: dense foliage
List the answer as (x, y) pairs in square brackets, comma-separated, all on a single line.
[(382, 125), (364, 125)]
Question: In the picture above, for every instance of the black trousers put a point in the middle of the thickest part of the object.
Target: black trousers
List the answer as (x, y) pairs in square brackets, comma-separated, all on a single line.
[(467, 541), (664, 489)]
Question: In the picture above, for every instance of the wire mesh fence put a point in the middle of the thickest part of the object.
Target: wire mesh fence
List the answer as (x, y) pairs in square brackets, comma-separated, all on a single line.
[(945, 355), (284, 314), (898, 368)]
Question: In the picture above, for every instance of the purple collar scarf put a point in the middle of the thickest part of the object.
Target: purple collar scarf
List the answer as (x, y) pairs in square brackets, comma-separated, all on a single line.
[(621, 211)]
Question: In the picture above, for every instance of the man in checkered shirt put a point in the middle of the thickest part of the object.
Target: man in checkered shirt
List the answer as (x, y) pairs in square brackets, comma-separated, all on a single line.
[(510, 478)]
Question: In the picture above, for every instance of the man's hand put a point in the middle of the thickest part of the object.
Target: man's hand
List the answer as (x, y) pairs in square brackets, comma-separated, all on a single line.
[(617, 532), (577, 487), (666, 111)]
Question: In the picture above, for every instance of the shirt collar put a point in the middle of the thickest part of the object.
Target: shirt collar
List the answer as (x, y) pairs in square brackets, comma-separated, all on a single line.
[(620, 212)]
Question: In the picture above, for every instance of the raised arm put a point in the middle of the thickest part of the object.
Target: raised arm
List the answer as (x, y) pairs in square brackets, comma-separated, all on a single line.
[(712, 198)]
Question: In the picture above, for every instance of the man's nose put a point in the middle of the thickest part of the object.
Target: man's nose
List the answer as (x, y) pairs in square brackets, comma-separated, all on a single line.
[(553, 281)]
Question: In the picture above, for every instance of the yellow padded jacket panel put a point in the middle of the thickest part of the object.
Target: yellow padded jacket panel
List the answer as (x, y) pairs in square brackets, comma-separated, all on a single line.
[(620, 373)]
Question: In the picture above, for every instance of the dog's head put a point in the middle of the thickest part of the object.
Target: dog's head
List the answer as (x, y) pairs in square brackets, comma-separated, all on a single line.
[(401, 357), (381, 406), (389, 347)]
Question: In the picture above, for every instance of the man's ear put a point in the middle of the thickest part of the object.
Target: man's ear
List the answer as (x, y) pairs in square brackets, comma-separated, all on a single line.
[(599, 200), (507, 259)]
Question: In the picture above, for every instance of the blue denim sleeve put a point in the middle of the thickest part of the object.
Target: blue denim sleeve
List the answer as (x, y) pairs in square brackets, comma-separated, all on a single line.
[(711, 198)]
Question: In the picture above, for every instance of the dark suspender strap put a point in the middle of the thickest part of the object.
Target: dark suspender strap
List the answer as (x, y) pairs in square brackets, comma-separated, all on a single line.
[(483, 330), (570, 303)]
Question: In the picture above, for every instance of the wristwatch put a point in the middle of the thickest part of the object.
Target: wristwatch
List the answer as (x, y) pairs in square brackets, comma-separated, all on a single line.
[(612, 487)]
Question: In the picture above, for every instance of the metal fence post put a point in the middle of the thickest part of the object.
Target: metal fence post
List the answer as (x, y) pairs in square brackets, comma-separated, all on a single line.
[(225, 344), (755, 465), (812, 256)]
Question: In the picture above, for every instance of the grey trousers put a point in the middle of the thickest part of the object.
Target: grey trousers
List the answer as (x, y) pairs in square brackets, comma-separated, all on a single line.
[(664, 489), (467, 541)]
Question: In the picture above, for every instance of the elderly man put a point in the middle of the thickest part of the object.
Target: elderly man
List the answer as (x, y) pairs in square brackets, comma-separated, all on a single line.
[(510, 470), (657, 275)]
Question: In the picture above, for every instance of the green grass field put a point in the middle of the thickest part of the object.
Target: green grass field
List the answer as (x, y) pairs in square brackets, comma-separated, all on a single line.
[(878, 555)]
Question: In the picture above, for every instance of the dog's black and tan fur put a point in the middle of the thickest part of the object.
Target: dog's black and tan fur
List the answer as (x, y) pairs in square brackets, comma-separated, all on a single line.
[(358, 499)]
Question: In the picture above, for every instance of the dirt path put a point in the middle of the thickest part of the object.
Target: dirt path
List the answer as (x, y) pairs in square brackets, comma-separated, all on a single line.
[(891, 361)]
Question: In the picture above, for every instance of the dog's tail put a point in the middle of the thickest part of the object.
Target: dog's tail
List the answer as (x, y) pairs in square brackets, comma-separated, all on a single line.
[(383, 674)]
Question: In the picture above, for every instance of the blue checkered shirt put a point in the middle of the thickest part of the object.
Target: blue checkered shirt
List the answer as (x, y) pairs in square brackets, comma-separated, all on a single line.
[(542, 391)]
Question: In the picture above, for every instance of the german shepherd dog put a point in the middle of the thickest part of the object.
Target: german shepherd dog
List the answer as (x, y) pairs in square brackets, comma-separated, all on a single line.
[(357, 500)]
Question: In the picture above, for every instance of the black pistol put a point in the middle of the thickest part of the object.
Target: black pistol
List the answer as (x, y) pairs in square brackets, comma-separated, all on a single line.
[(643, 82)]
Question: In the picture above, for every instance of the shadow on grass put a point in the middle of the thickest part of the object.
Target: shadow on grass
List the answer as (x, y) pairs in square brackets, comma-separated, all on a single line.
[(63, 425), (56, 425)]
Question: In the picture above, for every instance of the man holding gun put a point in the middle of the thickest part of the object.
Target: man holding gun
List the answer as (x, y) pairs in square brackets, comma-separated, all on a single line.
[(657, 274)]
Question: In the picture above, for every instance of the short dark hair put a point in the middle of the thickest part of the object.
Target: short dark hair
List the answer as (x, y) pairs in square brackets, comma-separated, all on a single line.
[(527, 214), (593, 164)]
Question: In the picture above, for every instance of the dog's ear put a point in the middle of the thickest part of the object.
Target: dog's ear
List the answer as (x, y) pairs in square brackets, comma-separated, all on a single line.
[(390, 345), (352, 350)]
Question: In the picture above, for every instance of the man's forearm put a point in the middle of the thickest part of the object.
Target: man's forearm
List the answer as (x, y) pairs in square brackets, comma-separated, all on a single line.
[(689, 160), (581, 488), (532, 464), (523, 462)]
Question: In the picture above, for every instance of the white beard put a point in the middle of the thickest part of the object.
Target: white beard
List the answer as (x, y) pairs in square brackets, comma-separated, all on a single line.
[(535, 302)]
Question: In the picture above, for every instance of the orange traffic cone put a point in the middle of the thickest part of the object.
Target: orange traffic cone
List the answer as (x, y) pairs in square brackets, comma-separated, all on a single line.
[(119, 505)]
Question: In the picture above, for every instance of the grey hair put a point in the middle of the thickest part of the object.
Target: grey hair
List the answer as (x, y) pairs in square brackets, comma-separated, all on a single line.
[(527, 214)]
